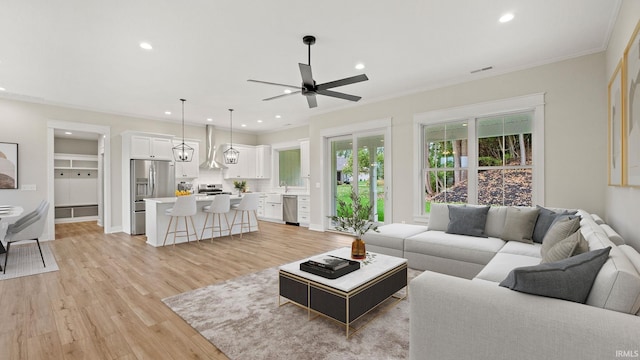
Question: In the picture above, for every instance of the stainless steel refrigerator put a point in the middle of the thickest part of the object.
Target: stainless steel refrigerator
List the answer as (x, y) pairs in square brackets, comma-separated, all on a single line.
[(149, 179)]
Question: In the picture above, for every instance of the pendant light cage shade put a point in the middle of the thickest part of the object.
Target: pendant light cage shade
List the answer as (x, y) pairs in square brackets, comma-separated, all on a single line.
[(231, 155), (182, 152)]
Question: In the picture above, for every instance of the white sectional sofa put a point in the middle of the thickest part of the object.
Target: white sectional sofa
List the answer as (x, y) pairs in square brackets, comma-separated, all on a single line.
[(459, 311)]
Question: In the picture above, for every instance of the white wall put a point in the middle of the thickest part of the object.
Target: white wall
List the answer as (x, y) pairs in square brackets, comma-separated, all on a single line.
[(575, 144), (75, 146), (623, 204)]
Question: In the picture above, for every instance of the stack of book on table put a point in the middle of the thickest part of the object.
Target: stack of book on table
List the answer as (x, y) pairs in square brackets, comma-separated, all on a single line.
[(329, 266)]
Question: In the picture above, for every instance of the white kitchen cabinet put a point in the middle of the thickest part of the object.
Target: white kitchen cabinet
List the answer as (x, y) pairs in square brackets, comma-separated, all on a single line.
[(305, 168), (246, 166), (304, 210), (261, 202), (273, 211), (145, 147), (190, 169), (273, 207), (263, 162)]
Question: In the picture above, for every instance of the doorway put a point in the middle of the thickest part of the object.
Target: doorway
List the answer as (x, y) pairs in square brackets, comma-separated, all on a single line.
[(103, 136)]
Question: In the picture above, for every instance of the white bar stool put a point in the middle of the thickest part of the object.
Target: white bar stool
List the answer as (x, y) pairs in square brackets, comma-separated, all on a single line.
[(220, 205), (248, 204), (185, 207)]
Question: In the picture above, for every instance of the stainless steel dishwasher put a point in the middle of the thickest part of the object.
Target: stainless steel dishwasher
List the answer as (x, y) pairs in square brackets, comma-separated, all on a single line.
[(290, 209)]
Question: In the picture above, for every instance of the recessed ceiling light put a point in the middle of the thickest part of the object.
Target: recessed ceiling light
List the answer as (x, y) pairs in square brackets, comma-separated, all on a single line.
[(244, 125), (359, 66), (278, 116), (146, 46), (287, 91), (68, 133), (506, 17), (259, 120), (2, 89), (209, 119), (167, 112)]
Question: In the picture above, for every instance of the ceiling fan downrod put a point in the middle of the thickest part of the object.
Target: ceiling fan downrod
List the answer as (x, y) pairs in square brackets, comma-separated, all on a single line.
[(309, 40)]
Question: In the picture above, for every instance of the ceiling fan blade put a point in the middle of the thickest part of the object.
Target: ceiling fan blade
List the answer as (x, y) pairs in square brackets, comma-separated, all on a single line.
[(283, 95), (311, 100), (272, 83), (339, 95), (343, 82), (307, 77)]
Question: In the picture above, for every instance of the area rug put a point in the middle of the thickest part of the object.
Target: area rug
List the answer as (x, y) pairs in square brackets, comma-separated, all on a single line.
[(24, 260), (241, 317)]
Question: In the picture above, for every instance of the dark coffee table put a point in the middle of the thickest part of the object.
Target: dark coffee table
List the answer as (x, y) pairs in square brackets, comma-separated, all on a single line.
[(347, 298)]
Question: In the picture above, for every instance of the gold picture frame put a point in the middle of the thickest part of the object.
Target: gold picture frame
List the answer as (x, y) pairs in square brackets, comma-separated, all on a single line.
[(615, 127), (631, 106)]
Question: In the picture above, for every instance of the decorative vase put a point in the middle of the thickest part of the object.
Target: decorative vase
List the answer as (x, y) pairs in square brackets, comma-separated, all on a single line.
[(358, 250)]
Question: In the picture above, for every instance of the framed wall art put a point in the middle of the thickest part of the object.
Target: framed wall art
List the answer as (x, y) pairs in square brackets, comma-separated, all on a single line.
[(8, 165), (615, 127), (631, 105)]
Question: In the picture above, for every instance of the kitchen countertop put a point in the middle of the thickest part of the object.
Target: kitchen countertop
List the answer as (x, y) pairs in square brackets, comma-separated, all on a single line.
[(171, 200)]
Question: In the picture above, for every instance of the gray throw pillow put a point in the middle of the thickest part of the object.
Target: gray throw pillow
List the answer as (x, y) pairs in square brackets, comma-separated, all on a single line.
[(573, 245), (467, 220), (544, 221), (519, 224), (569, 279), (561, 228)]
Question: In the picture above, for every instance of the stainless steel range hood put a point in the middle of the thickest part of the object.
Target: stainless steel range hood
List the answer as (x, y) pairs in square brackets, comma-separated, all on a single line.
[(211, 162)]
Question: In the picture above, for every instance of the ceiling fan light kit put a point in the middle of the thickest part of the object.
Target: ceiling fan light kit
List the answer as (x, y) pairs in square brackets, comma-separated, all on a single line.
[(182, 152), (309, 88)]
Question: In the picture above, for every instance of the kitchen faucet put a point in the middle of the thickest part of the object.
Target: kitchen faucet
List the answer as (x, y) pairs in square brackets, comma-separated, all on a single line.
[(286, 187)]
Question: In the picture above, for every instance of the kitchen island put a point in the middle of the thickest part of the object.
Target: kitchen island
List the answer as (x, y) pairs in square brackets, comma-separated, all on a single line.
[(157, 221)]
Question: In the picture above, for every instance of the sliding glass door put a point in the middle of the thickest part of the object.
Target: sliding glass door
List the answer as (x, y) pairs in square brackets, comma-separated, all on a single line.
[(358, 161)]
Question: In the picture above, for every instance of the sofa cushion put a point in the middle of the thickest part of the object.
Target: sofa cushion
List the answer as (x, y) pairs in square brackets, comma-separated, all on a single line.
[(617, 286), (544, 221), (451, 246), (597, 219), (439, 216), (392, 235), (501, 265), (518, 248), (467, 220), (561, 228), (519, 224), (612, 234), (573, 245), (569, 279), (495, 221)]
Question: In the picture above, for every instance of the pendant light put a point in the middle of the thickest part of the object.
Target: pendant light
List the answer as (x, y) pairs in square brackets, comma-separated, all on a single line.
[(231, 155), (183, 152)]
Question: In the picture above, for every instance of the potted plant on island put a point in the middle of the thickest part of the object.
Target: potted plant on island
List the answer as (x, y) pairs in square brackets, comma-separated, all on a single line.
[(241, 186), (354, 217)]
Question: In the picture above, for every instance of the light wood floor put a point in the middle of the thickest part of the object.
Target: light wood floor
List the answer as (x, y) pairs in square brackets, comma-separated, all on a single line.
[(104, 303)]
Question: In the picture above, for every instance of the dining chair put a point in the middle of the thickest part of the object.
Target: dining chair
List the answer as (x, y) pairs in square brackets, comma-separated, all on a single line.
[(29, 227)]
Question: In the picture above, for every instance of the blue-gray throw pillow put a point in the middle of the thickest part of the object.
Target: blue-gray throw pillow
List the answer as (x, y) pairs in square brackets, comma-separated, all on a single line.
[(467, 220), (569, 279), (545, 219)]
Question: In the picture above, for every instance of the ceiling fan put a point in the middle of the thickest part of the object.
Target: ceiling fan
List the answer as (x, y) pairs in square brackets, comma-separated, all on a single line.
[(309, 88)]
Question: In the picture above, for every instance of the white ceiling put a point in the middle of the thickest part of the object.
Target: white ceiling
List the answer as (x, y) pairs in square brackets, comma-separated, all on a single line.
[(86, 54)]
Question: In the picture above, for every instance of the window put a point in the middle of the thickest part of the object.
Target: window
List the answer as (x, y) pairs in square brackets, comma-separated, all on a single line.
[(289, 168), (492, 159)]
